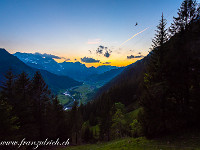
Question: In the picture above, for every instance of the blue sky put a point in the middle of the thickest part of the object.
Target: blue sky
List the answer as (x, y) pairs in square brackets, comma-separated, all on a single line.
[(70, 28)]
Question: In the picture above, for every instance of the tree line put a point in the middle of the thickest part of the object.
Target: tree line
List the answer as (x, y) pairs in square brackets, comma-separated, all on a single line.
[(170, 101), (29, 110), (165, 93)]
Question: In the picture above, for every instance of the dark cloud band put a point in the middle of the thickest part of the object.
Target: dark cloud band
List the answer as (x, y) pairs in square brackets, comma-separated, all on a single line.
[(132, 56), (89, 60)]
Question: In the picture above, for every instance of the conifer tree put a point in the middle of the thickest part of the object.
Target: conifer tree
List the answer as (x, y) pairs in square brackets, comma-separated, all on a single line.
[(8, 122), (106, 117), (7, 87), (55, 119), (76, 122), (156, 58), (23, 106), (187, 12), (41, 97), (161, 33), (155, 85)]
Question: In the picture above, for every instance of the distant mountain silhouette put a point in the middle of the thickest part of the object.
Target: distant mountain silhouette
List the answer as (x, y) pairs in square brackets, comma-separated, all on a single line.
[(71, 69), (105, 76), (125, 86), (55, 82)]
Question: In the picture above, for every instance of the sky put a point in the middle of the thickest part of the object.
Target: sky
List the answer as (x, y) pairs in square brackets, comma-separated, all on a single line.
[(94, 32)]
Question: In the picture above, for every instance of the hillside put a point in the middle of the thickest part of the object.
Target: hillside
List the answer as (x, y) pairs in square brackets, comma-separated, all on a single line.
[(166, 91), (55, 82), (125, 86), (186, 142), (105, 76)]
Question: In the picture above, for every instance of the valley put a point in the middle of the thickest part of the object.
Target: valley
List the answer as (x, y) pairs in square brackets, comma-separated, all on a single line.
[(82, 94), (91, 78)]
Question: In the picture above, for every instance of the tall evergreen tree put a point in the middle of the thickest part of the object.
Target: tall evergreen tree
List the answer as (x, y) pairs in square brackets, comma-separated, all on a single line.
[(161, 33), (76, 123), (41, 97), (8, 122), (55, 119), (23, 106), (155, 86), (187, 12), (106, 117), (7, 87), (169, 98)]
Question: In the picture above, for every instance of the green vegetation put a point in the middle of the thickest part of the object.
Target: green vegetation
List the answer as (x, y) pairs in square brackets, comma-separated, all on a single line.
[(141, 144), (63, 99), (95, 131), (29, 109), (82, 94), (84, 90), (132, 115)]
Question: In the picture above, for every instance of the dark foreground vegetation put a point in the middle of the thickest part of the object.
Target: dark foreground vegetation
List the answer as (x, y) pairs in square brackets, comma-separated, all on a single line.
[(155, 97), (29, 110), (163, 88)]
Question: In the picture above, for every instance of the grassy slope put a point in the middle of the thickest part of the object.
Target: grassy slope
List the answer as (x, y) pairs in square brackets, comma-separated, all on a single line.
[(62, 98), (141, 144), (84, 90), (132, 115), (80, 93), (188, 140)]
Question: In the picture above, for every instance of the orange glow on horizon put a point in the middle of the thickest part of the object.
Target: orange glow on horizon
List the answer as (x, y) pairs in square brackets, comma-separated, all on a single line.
[(59, 60), (118, 63)]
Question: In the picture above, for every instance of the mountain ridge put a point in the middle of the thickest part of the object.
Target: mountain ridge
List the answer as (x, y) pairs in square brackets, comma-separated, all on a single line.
[(71, 69), (55, 82)]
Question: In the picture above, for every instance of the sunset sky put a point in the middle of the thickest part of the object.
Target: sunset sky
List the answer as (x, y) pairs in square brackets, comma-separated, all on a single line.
[(75, 29)]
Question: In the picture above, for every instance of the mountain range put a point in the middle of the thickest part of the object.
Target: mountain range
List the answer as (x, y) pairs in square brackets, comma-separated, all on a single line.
[(55, 82), (75, 70)]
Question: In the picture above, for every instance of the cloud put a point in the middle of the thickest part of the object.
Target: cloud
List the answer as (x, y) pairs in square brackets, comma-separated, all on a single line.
[(89, 60), (106, 62), (102, 50), (139, 56), (101, 47), (66, 59), (90, 51), (93, 41), (99, 51), (47, 55), (108, 53), (132, 56)]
